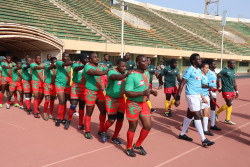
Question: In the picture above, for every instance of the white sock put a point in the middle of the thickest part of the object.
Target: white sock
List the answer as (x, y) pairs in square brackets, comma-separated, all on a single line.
[(193, 118), (199, 128), (212, 112), (205, 123), (185, 126)]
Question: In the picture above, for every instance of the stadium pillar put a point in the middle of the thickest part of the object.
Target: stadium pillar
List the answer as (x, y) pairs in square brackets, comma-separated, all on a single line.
[(122, 33)]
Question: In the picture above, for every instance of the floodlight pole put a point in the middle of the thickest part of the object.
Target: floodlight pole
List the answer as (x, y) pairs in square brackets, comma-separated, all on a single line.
[(222, 47), (122, 33)]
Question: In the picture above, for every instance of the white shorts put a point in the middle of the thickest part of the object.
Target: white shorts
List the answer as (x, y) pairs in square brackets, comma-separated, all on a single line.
[(204, 105), (194, 102), (214, 94)]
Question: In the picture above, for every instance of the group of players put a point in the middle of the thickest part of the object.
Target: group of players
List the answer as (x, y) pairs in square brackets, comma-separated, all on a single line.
[(116, 91)]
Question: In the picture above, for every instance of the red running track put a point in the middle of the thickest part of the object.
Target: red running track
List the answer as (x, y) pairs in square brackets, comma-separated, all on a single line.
[(28, 142)]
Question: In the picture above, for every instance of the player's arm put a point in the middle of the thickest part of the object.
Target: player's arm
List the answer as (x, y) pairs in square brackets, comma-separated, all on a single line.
[(78, 68), (160, 79), (236, 89), (39, 67), (178, 96), (69, 63), (17, 68), (97, 73), (52, 66), (204, 100), (6, 67), (138, 94), (178, 78), (117, 77), (218, 81)]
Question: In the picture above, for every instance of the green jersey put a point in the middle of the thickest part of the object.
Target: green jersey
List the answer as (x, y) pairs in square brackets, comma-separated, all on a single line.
[(78, 76), (26, 74), (16, 74), (137, 82), (7, 72), (116, 89), (36, 75), (228, 77), (49, 75), (131, 65), (151, 69), (93, 82), (63, 74), (47, 62), (170, 76), (107, 64)]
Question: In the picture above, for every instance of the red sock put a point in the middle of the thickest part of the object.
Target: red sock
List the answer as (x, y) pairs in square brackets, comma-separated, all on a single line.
[(27, 102), (118, 127), (51, 106), (59, 111), (102, 122), (106, 126), (46, 105), (39, 102), (87, 120), (1, 98), (143, 135), (64, 111), (130, 136), (21, 103), (35, 105), (15, 96), (8, 102), (81, 116), (71, 112)]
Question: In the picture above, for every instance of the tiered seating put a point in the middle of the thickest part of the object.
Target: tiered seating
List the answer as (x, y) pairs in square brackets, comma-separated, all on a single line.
[(43, 14), (100, 14)]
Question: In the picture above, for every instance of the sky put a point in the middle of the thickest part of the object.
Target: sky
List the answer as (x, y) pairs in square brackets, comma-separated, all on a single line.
[(235, 8)]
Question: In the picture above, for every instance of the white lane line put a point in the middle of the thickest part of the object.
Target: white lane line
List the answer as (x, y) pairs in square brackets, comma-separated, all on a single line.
[(12, 125)]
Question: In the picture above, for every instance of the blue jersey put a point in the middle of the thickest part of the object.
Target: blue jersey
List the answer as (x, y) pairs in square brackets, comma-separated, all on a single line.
[(205, 81), (212, 77), (193, 77)]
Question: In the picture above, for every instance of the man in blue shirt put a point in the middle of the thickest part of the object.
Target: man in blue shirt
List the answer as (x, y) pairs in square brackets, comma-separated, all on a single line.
[(192, 78)]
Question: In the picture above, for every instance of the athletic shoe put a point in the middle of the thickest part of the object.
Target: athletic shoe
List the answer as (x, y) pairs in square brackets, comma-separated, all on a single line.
[(22, 107), (185, 137), (50, 116), (217, 118), (7, 106), (208, 133), (45, 116), (206, 142), (167, 114), (81, 127), (140, 149), (76, 114), (229, 122), (37, 115), (88, 135), (100, 133), (152, 110), (116, 141), (67, 125), (104, 137), (38, 110), (130, 152), (16, 105), (215, 128), (1, 105), (64, 121), (58, 122), (29, 111)]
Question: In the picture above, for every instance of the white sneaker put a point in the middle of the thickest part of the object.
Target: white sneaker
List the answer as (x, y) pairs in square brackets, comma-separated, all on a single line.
[(7, 106), (76, 114), (217, 118), (229, 122), (22, 107)]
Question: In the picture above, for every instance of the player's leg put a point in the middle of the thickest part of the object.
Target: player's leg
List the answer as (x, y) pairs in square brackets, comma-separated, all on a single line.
[(167, 111), (11, 92), (21, 99), (102, 108), (72, 109), (81, 114), (3, 88), (118, 127), (186, 122), (46, 106), (229, 103), (67, 98), (60, 107), (130, 137), (36, 103), (172, 101), (213, 115), (51, 106), (206, 112)]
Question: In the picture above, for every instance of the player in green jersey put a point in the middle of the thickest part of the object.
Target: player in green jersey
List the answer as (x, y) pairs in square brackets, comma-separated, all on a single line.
[(137, 91), (63, 68), (49, 88), (170, 74), (77, 92), (229, 90), (108, 64), (94, 92), (130, 64)]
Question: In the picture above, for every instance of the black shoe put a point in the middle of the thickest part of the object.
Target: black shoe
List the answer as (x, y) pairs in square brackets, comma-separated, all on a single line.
[(152, 110), (67, 125), (168, 114), (81, 127), (215, 128), (37, 115), (185, 137), (141, 149), (64, 121), (206, 142), (208, 133), (130, 152), (58, 122), (100, 133), (29, 111), (104, 137), (116, 141), (88, 135)]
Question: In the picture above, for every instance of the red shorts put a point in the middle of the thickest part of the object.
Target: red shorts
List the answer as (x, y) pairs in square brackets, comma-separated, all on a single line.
[(49, 89), (91, 96), (77, 91), (6, 80), (37, 86), (114, 105), (61, 89), (228, 95), (150, 85), (16, 86), (135, 110), (26, 86), (170, 90), (105, 79)]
